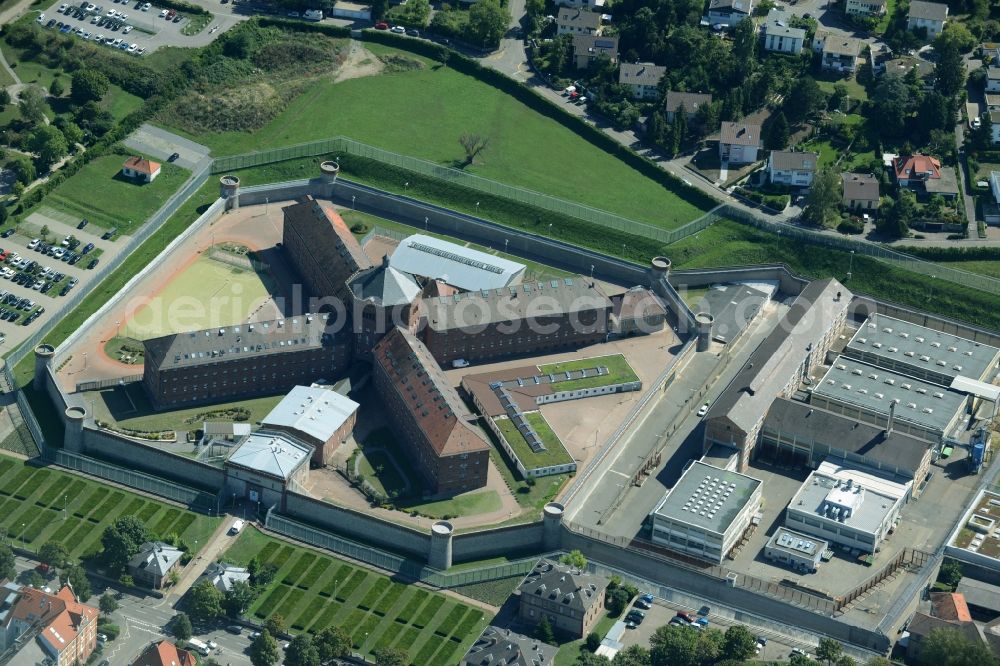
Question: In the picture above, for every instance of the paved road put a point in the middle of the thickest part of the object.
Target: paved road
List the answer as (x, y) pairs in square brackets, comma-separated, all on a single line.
[(161, 144)]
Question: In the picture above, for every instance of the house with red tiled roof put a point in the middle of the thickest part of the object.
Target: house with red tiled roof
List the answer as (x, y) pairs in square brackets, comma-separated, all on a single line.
[(950, 606), (924, 174), (164, 653), (64, 629), (429, 419), (140, 169)]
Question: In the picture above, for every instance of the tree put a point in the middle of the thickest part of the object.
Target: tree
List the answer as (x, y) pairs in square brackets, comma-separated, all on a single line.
[(739, 643), (777, 132), (633, 655), (72, 132), (488, 21), (31, 105), (379, 8), (800, 660), (107, 604), (302, 652), (88, 85), (680, 646), (543, 631), (49, 143), (181, 626), (4, 98), (264, 650), (238, 599), (332, 643), (35, 579), (949, 75), (275, 624), (838, 97), (574, 558), (57, 89), (473, 144), (76, 577), (804, 100), (846, 660), (616, 600), (415, 12), (948, 647), (263, 575), (878, 661), (53, 554), (24, 170), (829, 650), (823, 198), (895, 221), (950, 573), (590, 659), (890, 105), (204, 602), (593, 641), (7, 569), (391, 657), (121, 540)]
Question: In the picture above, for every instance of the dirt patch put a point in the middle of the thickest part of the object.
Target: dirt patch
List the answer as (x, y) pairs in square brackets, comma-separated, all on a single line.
[(360, 62)]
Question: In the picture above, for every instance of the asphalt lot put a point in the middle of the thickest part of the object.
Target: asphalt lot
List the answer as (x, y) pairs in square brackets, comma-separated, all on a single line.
[(161, 144)]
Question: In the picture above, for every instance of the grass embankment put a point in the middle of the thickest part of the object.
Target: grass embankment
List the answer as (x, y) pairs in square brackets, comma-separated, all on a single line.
[(619, 372)]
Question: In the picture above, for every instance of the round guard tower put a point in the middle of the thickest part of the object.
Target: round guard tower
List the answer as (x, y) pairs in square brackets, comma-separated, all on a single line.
[(439, 556), (229, 189)]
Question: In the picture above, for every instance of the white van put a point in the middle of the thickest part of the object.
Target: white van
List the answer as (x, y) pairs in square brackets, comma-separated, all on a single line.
[(200, 646), (237, 526), (313, 14)]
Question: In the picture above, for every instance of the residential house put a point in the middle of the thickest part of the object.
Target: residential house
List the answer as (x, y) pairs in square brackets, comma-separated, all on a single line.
[(572, 600), (65, 630), (153, 563), (861, 191), (992, 79), (902, 65), (690, 102), (224, 576), (739, 142), (578, 22), (929, 15), (995, 127), (948, 611), (588, 48), (140, 169), (496, 647), (729, 12), (840, 53), (642, 77), (593, 5), (925, 175), (865, 7), (164, 653), (789, 167), (781, 38)]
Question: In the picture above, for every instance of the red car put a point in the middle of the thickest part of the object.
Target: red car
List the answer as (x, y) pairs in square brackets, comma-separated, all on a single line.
[(684, 616), (381, 25)]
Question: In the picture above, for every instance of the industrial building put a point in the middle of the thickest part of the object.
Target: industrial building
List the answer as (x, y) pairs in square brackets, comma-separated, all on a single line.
[(775, 369), (265, 465), (317, 416), (462, 267), (530, 318), (233, 362), (322, 249), (805, 435), (865, 392), (798, 551), (847, 505), (429, 418), (707, 512)]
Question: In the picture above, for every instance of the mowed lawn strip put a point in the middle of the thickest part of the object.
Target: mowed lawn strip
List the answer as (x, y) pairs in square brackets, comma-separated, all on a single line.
[(619, 372)]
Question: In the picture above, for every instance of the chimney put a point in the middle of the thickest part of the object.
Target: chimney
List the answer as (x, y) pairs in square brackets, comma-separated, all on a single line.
[(892, 418)]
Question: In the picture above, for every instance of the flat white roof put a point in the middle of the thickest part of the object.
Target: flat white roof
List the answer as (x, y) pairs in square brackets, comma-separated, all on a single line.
[(271, 453), (457, 265), (977, 388), (317, 412)]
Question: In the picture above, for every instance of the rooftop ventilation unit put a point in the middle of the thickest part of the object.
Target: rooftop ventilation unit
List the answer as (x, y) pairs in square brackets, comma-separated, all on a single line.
[(908, 353), (935, 344)]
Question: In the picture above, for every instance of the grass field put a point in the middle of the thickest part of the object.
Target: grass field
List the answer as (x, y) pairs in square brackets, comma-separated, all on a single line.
[(554, 454), (99, 193), (313, 591), (134, 410), (469, 504), (207, 294), (523, 144), (32, 501), (619, 372)]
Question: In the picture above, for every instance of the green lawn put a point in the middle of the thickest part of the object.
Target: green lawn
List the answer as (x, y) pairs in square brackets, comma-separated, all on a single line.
[(568, 652), (855, 90), (32, 501), (469, 504), (313, 591), (131, 409), (99, 193), (554, 454), (377, 468), (523, 147), (990, 268), (619, 372)]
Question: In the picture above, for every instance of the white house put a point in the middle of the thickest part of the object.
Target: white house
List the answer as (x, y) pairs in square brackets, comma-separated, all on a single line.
[(642, 77), (140, 169), (865, 7), (840, 53), (739, 142), (930, 15), (995, 126), (787, 167), (690, 101), (729, 12), (578, 22), (783, 39), (993, 79), (592, 4)]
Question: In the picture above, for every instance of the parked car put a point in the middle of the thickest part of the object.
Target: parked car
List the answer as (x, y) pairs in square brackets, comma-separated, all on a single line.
[(173, 157), (237, 526), (87, 248), (381, 25), (413, 32), (685, 616), (234, 629), (644, 605), (398, 29), (109, 233), (703, 410), (33, 243), (84, 222), (8, 233), (648, 598)]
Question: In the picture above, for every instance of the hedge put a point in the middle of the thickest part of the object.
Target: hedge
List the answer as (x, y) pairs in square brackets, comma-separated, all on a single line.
[(534, 100), (182, 6), (299, 26), (953, 253)]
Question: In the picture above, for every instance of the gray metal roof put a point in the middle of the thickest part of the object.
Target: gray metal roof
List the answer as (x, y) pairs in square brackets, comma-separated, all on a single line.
[(640, 73), (689, 100), (931, 11), (274, 454), (317, 412), (503, 647), (741, 6), (860, 187), (707, 497), (946, 183), (563, 584), (733, 307), (854, 383), (840, 45), (573, 16), (740, 134), (866, 502), (796, 420), (156, 556), (223, 576), (459, 266), (750, 393), (903, 342), (781, 29), (385, 286), (226, 428), (532, 299)]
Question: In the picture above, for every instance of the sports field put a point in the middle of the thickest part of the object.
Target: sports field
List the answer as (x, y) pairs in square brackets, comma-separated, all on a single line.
[(313, 591), (32, 501), (206, 294)]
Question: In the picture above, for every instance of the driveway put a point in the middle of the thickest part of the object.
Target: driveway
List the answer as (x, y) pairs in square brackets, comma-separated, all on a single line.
[(161, 144)]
